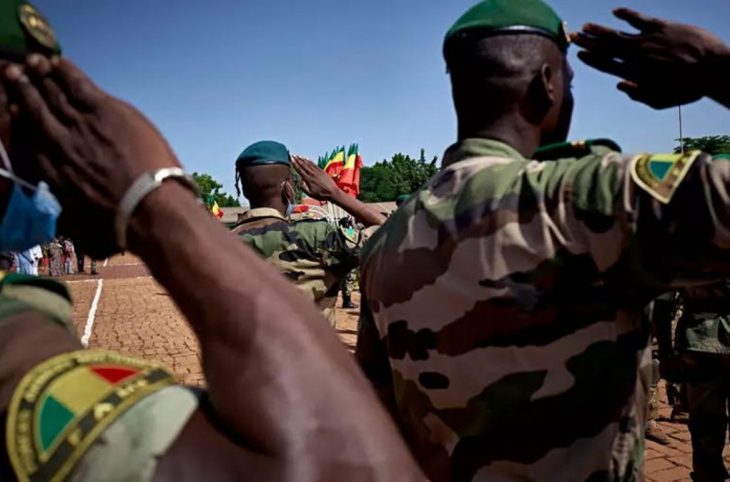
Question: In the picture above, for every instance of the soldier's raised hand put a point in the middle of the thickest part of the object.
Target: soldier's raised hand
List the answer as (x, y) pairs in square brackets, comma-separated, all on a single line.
[(315, 182), (665, 64), (91, 146)]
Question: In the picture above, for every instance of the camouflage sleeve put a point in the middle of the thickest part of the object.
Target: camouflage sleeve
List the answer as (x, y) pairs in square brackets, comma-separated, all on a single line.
[(682, 233), (21, 293), (343, 246), (649, 222)]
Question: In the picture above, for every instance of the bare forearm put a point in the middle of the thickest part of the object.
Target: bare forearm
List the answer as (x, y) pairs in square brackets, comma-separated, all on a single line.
[(359, 210), (720, 75), (266, 349)]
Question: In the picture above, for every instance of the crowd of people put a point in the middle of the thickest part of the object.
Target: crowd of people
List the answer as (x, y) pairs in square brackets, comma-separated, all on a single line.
[(56, 258), (502, 331)]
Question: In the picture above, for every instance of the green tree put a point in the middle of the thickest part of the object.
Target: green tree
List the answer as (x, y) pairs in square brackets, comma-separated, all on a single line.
[(710, 144), (402, 174), (207, 187)]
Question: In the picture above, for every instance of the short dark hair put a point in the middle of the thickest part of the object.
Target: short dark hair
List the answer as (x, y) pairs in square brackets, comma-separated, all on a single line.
[(490, 72)]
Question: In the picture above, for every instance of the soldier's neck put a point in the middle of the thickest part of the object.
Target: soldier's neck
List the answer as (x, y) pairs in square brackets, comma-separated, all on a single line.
[(522, 137), (277, 204)]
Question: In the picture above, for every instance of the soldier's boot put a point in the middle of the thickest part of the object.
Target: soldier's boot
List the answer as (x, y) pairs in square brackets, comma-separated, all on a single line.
[(655, 434), (347, 303)]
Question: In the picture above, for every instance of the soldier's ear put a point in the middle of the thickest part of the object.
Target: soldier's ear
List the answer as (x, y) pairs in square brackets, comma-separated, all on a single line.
[(547, 89)]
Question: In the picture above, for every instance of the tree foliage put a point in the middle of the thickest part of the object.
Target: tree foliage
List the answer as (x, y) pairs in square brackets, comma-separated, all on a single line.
[(402, 174), (207, 186), (709, 144)]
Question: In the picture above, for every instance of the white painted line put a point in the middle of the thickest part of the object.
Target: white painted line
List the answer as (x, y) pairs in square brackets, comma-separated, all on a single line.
[(92, 314), (81, 281), (105, 262)]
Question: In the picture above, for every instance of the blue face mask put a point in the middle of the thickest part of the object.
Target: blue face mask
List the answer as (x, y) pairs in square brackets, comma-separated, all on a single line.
[(29, 219), (289, 209)]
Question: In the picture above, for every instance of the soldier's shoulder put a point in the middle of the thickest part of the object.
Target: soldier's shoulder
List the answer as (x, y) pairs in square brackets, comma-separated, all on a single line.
[(314, 229), (576, 149), (19, 293)]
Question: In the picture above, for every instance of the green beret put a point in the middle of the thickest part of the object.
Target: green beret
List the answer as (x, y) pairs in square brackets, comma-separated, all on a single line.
[(496, 17), (24, 30), (725, 157), (264, 153), (402, 198)]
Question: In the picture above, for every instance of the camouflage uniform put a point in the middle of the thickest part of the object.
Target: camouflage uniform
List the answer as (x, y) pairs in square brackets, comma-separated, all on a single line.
[(703, 340), (314, 254), (502, 303)]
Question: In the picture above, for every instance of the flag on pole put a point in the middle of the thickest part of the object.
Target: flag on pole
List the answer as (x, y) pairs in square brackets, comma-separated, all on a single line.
[(349, 178), (334, 163), (213, 207)]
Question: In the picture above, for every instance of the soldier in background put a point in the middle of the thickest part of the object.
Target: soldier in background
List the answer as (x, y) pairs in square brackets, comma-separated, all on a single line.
[(501, 312), (315, 255), (700, 359), (348, 284)]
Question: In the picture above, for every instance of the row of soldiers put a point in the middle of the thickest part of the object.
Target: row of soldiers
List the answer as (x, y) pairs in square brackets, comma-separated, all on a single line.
[(501, 317)]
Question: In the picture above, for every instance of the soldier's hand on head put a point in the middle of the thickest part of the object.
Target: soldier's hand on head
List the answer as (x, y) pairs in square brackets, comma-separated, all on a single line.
[(665, 64), (315, 182), (91, 146)]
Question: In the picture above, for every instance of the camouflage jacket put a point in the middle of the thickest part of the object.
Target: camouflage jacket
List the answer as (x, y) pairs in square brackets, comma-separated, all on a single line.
[(314, 254), (705, 322), (502, 304)]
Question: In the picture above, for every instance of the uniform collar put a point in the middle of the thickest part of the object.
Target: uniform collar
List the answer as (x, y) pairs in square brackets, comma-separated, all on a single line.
[(478, 147), (259, 213)]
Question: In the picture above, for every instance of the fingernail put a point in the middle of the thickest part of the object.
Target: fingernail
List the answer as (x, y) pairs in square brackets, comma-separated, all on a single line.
[(34, 60), (13, 72)]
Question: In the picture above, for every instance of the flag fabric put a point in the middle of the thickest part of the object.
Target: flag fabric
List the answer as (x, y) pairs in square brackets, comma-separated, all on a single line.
[(213, 207), (349, 178), (334, 163), (344, 169)]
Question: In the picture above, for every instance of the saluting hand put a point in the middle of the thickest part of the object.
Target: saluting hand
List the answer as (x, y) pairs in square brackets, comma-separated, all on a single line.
[(91, 146), (664, 65), (315, 182)]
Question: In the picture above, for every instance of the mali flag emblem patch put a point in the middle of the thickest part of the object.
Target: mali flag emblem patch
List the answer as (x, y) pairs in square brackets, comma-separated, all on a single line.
[(661, 174), (62, 406)]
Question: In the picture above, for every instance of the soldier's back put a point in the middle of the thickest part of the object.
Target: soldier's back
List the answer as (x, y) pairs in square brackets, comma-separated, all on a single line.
[(312, 253), (512, 346)]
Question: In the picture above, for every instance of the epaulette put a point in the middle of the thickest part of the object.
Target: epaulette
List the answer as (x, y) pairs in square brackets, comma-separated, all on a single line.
[(577, 149), (19, 293)]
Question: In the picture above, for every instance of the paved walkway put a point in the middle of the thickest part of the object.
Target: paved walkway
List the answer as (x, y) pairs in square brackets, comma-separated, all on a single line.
[(135, 316)]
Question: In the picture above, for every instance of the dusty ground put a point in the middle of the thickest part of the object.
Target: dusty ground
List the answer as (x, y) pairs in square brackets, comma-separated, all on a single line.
[(135, 316)]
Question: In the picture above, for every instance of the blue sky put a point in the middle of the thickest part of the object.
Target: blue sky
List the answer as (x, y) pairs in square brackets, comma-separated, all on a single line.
[(218, 75)]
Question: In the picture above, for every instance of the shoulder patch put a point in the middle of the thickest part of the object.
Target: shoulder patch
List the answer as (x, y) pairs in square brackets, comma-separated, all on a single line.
[(661, 174), (63, 404)]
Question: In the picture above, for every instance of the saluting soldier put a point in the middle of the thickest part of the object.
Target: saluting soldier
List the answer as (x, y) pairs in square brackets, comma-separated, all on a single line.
[(273, 369), (315, 255), (505, 296)]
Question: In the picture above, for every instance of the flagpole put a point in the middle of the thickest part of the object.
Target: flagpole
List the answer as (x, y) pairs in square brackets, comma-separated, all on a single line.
[(681, 134)]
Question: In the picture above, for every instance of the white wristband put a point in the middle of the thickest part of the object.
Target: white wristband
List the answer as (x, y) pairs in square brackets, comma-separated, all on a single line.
[(140, 189)]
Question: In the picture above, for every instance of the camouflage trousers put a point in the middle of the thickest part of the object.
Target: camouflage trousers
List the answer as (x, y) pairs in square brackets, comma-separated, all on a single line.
[(654, 402), (349, 284), (708, 393)]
